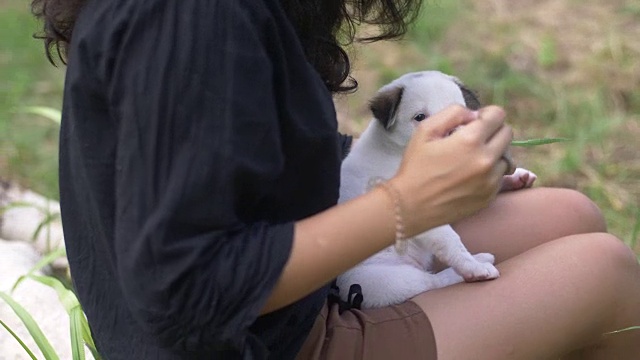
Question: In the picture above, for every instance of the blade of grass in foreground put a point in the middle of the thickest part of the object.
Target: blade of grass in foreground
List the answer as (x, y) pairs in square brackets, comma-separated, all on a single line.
[(16, 204), (536, 142), (46, 260), (50, 113), (77, 344), (80, 334), (88, 339), (15, 336), (623, 330), (32, 327), (72, 306)]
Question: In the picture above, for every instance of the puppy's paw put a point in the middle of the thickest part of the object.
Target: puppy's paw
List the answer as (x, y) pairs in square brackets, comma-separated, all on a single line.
[(481, 270), (485, 258), (520, 179)]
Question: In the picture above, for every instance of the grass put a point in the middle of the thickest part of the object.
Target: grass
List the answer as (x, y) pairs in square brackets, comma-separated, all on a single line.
[(80, 334), (555, 80), (28, 144)]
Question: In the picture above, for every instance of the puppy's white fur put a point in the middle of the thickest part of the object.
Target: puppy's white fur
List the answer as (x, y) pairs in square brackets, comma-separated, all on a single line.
[(389, 277)]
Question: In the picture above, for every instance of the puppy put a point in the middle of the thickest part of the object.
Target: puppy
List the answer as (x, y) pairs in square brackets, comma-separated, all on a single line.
[(390, 277)]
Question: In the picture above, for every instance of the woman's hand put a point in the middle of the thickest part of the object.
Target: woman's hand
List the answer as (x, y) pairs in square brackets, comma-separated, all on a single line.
[(445, 178), (442, 179)]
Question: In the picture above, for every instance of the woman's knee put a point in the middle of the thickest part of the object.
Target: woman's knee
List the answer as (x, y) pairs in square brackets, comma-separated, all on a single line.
[(608, 253), (582, 213), (615, 248), (617, 280)]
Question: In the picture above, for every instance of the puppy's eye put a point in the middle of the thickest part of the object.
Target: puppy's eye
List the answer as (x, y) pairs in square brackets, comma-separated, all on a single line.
[(419, 117)]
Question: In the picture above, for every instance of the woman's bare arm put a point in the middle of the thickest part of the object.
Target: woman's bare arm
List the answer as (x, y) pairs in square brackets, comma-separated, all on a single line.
[(463, 178)]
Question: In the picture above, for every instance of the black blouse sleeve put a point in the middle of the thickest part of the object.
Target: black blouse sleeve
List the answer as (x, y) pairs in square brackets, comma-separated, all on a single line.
[(190, 86)]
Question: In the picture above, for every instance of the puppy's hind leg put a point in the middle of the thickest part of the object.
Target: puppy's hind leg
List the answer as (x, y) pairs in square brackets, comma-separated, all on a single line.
[(387, 284), (445, 244)]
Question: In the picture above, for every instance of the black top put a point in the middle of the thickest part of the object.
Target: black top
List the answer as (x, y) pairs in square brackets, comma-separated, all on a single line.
[(194, 133)]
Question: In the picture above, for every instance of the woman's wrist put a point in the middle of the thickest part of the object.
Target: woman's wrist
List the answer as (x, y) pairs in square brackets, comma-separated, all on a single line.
[(419, 212), (329, 243), (398, 211)]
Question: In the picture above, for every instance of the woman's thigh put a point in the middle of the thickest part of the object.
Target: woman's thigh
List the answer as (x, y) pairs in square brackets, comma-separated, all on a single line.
[(520, 220), (550, 300)]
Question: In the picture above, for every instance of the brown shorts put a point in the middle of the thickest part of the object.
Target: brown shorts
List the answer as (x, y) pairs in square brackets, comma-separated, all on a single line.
[(394, 332)]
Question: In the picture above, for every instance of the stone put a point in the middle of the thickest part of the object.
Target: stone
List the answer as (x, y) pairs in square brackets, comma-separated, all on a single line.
[(41, 301), (23, 212)]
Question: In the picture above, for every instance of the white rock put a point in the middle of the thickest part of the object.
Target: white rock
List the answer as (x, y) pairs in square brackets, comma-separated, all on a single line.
[(41, 301), (19, 223)]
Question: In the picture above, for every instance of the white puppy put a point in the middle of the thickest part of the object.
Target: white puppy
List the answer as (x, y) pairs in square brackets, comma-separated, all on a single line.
[(389, 277)]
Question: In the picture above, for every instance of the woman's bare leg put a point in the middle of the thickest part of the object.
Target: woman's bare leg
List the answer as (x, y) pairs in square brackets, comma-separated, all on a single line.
[(556, 298), (520, 220)]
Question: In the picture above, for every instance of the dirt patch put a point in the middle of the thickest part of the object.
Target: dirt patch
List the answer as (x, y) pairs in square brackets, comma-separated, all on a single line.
[(14, 4), (568, 42)]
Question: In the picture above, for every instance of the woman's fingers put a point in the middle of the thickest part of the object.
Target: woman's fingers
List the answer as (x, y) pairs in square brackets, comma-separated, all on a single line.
[(499, 171), (500, 142), (492, 133), (444, 122), (490, 121)]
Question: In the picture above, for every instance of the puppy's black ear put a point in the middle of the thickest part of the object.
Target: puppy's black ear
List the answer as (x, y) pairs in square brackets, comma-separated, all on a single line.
[(470, 97), (384, 105)]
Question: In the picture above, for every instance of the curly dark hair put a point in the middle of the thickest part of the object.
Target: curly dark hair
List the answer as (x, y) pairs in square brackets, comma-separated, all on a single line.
[(325, 28)]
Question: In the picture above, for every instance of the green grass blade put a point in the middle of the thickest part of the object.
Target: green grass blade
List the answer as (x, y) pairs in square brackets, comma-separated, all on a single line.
[(67, 298), (32, 327), (44, 261), (77, 344), (35, 234), (623, 330), (50, 113), (536, 142), (77, 320), (14, 205), (88, 339), (48, 219), (15, 336)]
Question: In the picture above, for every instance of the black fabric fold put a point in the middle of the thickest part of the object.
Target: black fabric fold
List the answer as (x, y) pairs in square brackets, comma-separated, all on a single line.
[(194, 135)]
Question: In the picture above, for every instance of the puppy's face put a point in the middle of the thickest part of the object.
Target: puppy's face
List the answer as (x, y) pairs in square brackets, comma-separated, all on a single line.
[(401, 105)]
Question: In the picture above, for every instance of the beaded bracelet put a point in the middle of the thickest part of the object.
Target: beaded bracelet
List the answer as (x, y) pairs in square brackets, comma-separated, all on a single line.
[(394, 194)]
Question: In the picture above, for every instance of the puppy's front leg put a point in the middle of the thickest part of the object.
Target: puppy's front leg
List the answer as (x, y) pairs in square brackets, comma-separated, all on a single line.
[(520, 179), (445, 244), (449, 276)]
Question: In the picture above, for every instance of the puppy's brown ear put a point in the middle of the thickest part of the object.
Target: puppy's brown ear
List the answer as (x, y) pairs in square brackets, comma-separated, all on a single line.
[(470, 97), (385, 104)]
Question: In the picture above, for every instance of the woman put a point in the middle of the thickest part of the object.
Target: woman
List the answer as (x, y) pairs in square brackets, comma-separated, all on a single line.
[(199, 170)]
